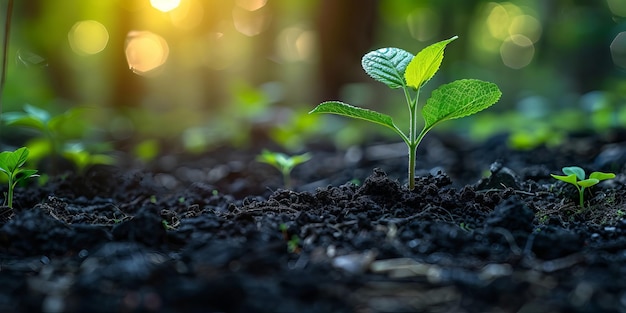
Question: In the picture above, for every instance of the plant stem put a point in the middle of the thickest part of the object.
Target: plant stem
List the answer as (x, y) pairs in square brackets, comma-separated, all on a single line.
[(10, 192), (413, 141), (286, 178), (581, 193)]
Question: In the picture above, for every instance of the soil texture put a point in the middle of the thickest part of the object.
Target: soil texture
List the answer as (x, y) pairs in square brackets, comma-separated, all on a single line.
[(486, 229)]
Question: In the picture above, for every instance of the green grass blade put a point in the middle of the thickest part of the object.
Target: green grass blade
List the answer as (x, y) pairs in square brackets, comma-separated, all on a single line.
[(387, 65), (459, 99), (340, 108), (425, 64)]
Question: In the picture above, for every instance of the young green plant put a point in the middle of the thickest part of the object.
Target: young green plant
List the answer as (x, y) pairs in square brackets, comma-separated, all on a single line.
[(10, 163), (283, 163), (60, 135), (398, 68), (576, 176)]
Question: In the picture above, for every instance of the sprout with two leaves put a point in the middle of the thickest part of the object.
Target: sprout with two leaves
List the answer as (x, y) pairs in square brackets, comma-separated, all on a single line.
[(398, 68), (576, 176)]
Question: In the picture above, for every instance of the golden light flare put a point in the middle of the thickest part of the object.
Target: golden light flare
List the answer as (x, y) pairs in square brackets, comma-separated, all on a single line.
[(165, 5), (250, 23), (145, 51), (88, 37), (511, 31), (188, 15), (251, 5), (295, 44)]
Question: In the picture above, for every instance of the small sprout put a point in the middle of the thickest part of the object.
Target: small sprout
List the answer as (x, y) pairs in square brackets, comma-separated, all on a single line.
[(576, 176), (10, 163), (60, 136), (283, 163), (397, 68), (293, 241)]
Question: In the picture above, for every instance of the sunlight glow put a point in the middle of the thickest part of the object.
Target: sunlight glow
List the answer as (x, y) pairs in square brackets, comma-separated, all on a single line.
[(517, 51), (424, 24), (295, 44), (511, 31), (251, 5), (188, 15), (88, 37), (250, 23), (165, 5), (145, 51)]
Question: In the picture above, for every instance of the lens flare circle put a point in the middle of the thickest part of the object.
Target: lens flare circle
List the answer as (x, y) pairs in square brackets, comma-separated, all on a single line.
[(88, 37), (145, 51), (165, 5)]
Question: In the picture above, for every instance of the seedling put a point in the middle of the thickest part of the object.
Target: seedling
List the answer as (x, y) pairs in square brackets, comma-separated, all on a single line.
[(293, 241), (397, 68), (55, 133), (283, 163), (576, 176), (10, 163)]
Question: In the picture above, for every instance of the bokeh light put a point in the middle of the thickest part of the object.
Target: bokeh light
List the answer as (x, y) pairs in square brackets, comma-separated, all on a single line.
[(188, 15), (250, 23), (511, 31), (618, 50), (424, 24), (88, 37), (617, 7), (251, 5), (145, 51), (165, 5), (295, 44), (517, 51)]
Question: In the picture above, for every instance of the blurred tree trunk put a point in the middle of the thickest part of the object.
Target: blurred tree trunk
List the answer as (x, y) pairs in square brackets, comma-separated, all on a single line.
[(346, 31)]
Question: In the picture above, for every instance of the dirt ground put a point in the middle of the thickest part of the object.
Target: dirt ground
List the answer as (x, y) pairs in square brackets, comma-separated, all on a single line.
[(487, 229)]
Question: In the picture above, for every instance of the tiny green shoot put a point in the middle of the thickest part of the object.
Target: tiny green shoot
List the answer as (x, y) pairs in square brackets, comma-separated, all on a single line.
[(293, 241), (576, 176), (398, 68), (10, 163), (283, 163), (55, 135)]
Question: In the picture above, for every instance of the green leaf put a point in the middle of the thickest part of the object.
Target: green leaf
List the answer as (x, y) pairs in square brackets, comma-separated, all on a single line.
[(11, 161), (579, 172), (425, 64), (588, 182), (23, 119), (299, 159), (23, 174), (459, 99), (340, 108), (387, 65), (568, 179), (601, 176), (36, 112)]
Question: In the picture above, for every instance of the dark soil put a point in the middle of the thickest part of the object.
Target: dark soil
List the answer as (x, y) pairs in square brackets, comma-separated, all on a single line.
[(216, 233)]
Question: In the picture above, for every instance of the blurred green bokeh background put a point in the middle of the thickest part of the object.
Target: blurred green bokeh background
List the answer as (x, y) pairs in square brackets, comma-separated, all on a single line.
[(207, 72)]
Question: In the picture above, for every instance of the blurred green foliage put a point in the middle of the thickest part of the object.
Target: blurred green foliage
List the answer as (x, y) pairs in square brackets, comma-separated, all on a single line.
[(238, 68)]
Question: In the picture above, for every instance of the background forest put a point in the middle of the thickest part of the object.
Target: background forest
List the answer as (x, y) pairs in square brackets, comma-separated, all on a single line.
[(150, 75)]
